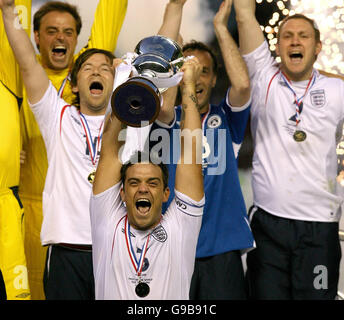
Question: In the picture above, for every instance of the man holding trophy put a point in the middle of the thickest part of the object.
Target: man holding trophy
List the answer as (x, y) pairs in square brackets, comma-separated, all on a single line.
[(66, 130)]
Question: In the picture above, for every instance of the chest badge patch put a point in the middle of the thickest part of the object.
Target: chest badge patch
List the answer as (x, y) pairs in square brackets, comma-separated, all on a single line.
[(318, 98), (159, 234), (214, 121)]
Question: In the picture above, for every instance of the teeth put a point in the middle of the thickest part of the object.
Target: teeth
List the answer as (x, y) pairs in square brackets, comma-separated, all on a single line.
[(59, 49), (144, 200)]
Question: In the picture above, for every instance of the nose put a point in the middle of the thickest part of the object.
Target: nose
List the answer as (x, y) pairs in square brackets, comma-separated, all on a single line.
[(96, 72), (142, 188), (60, 35), (295, 40)]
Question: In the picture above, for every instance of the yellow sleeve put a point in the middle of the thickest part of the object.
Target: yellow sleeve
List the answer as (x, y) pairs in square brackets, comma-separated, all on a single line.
[(108, 21), (9, 71)]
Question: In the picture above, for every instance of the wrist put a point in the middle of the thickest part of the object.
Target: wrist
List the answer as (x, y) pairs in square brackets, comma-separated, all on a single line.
[(243, 15), (175, 5), (8, 10), (219, 28)]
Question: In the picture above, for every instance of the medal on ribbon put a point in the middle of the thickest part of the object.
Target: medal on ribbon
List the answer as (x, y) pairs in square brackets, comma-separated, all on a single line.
[(93, 146), (142, 288), (299, 135)]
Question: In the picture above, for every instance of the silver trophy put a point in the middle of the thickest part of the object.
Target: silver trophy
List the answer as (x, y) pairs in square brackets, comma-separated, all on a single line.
[(137, 101)]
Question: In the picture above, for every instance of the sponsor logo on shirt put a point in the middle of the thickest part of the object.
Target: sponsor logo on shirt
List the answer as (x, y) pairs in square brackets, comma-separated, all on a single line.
[(181, 205)]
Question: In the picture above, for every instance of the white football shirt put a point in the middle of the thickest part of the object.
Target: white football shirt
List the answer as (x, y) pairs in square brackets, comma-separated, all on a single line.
[(67, 191), (169, 260), (291, 179)]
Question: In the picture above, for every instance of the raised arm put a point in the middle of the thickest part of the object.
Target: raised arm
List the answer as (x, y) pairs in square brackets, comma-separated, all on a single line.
[(109, 166), (250, 33), (34, 76), (236, 68), (10, 74), (108, 21), (189, 177), (172, 19), (171, 28)]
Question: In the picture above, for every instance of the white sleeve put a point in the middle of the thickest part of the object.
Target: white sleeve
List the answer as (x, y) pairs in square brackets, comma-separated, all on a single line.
[(238, 109), (188, 206), (258, 60), (103, 208), (47, 113)]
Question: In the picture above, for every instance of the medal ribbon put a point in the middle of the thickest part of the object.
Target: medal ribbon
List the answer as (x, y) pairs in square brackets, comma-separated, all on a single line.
[(136, 264), (298, 101), (63, 85), (93, 147)]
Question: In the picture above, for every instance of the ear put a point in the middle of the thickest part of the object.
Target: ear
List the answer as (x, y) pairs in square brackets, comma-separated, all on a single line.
[(75, 89), (213, 84), (166, 194), (277, 49), (36, 36), (122, 194), (318, 48)]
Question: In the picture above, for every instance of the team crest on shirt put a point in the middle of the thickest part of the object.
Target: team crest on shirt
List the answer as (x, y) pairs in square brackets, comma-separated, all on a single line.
[(318, 98), (214, 121), (159, 234)]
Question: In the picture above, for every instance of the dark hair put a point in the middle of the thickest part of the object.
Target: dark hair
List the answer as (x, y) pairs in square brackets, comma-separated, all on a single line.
[(60, 7), (299, 16), (144, 157), (78, 64), (197, 45)]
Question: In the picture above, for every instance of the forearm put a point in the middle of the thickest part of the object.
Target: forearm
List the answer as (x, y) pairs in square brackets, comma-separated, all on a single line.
[(235, 67), (111, 141), (34, 76), (191, 118), (250, 33), (108, 170), (18, 39), (172, 20), (108, 21), (189, 168), (166, 114)]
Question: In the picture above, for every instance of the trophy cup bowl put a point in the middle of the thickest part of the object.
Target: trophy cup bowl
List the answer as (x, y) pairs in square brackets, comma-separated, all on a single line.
[(137, 101)]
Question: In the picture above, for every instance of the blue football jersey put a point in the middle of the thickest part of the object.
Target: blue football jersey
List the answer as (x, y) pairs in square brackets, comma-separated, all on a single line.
[(225, 225)]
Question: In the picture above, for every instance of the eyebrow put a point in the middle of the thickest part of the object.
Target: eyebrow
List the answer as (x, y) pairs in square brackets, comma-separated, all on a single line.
[(102, 65), (148, 180), (56, 28), (298, 32)]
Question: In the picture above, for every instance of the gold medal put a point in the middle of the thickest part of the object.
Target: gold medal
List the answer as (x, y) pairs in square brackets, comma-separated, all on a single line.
[(91, 176), (299, 136)]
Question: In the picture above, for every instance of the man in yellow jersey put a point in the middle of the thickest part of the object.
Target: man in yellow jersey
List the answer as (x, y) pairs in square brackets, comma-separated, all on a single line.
[(14, 281), (56, 27)]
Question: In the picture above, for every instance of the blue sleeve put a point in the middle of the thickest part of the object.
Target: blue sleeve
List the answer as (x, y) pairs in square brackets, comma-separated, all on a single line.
[(237, 121)]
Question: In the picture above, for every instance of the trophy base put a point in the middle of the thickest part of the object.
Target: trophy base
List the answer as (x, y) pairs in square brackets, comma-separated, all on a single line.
[(136, 102)]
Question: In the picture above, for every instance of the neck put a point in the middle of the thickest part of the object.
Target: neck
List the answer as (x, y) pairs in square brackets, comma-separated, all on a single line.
[(204, 109), (92, 111), (297, 76)]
